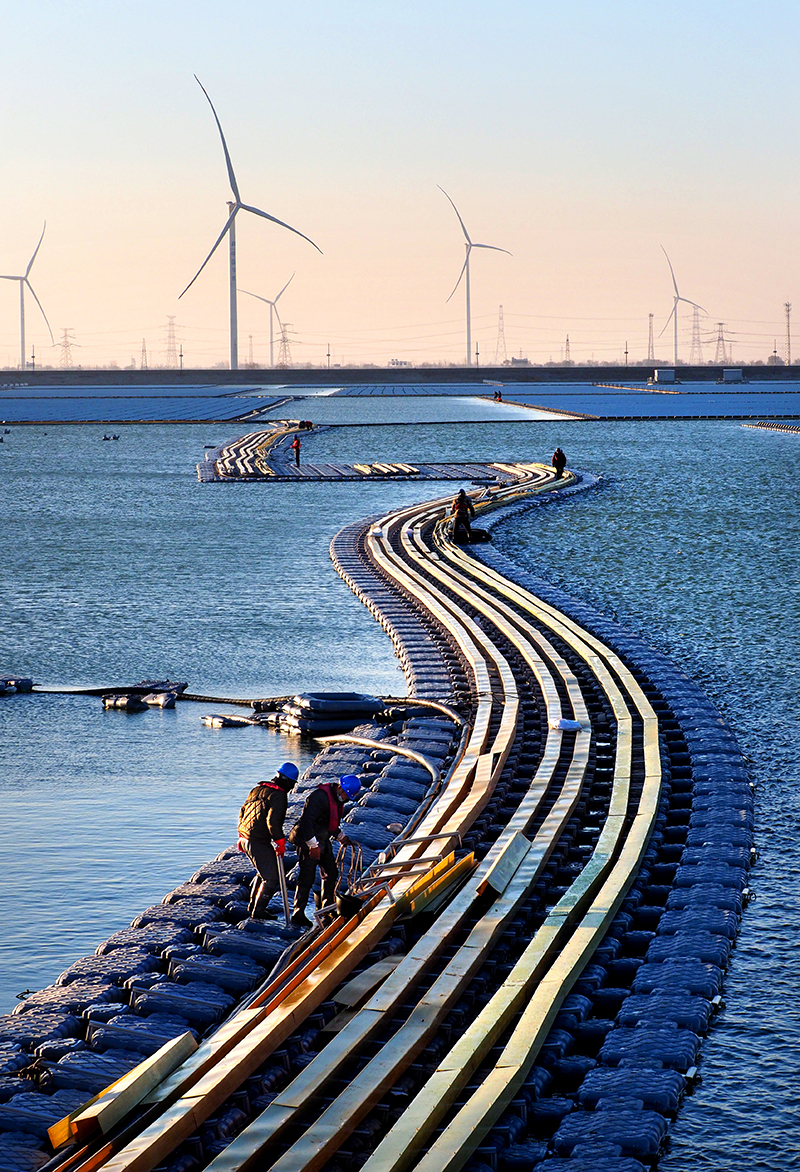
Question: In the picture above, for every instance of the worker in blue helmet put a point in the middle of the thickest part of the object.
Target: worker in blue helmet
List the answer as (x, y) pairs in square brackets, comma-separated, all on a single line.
[(261, 836), (311, 835)]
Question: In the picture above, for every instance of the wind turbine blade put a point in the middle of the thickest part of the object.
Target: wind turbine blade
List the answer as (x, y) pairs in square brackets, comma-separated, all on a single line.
[(217, 243), (461, 222), (494, 248), (258, 212), (38, 302), (33, 258), (460, 275), (5, 278), (285, 287), (264, 299), (694, 303), (228, 163), (669, 319), (669, 262), (278, 316)]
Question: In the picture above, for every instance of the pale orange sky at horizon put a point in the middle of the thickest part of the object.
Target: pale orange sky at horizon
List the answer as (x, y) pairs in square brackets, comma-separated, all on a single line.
[(578, 137)]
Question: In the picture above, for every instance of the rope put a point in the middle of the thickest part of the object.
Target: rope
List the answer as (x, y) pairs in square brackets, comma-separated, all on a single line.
[(349, 874)]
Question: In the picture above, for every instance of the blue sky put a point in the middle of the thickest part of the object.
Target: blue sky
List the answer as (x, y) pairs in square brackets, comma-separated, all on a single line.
[(579, 136)]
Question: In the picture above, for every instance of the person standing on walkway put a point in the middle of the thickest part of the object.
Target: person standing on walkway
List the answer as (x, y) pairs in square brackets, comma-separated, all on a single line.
[(295, 446), (311, 836), (559, 462), (463, 511), (261, 836)]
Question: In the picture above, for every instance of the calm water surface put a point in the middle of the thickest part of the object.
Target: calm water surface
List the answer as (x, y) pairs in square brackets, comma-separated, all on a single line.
[(118, 564)]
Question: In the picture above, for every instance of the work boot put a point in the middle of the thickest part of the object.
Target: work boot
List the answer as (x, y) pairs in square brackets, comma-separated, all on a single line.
[(300, 920)]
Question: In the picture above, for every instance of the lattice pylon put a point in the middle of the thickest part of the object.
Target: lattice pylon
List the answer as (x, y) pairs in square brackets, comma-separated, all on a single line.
[(284, 353), (696, 353), (500, 356)]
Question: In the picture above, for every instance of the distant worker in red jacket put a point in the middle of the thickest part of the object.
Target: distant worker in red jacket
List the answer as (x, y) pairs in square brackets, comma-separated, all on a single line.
[(559, 462), (295, 446), (261, 836), (311, 836)]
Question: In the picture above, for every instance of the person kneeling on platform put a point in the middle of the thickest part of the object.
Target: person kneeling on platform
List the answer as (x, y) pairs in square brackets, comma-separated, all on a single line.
[(311, 836), (261, 836)]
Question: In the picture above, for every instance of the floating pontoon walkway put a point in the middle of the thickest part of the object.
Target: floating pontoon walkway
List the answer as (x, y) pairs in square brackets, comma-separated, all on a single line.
[(265, 455), (546, 946)]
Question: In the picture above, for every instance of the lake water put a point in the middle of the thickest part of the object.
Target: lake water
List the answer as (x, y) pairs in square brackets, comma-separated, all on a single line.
[(118, 565)]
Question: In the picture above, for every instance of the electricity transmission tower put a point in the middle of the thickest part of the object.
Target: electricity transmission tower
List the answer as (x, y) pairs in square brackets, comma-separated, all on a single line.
[(284, 353), (143, 362), (65, 346), (171, 358), (567, 359), (500, 356), (651, 351), (696, 353), (721, 354), (788, 307)]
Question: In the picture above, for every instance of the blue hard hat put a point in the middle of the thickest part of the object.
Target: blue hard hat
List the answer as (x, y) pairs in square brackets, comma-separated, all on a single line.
[(290, 770), (350, 784)]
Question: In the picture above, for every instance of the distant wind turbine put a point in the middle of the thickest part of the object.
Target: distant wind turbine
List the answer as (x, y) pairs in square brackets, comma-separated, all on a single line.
[(273, 309), (674, 315), (23, 281), (465, 272), (234, 207)]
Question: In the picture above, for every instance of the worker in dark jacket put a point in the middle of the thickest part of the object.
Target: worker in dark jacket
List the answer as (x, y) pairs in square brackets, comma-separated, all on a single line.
[(261, 836), (559, 462), (463, 511), (312, 834)]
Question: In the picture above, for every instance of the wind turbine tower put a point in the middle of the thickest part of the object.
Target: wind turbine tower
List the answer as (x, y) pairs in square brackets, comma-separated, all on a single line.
[(273, 312), (469, 245), (23, 281), (234, 207), (651, 350), (674, 315)]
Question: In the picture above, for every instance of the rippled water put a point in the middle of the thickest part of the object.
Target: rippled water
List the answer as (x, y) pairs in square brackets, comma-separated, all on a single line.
[(117, 564)]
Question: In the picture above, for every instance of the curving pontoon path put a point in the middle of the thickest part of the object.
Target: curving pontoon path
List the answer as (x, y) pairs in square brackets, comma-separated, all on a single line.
[(529, 983)]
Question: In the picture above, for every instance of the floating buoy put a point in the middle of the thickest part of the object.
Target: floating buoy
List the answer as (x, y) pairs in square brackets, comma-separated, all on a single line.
[(160, 699), (224, 721), (125, 703)]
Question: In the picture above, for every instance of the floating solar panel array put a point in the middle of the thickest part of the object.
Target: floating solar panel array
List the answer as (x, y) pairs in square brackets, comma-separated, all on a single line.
[(120, 404)]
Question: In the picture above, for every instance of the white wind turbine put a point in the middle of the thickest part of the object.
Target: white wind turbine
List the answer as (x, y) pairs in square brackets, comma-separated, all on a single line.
[(465, 272), (273, 310), (23, 281), (674, 315), (234, 207)]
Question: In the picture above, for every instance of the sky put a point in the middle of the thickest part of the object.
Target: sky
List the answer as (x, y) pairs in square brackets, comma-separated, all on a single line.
[(582, 137)]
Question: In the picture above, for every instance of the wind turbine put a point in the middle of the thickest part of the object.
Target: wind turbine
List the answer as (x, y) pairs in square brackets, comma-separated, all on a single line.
[(465, 272), (23, 281), (273, 309), (674, 314), (234, 207)]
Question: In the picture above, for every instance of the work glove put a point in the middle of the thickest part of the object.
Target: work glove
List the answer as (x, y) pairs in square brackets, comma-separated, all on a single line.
[(280, 847), (345, 841), (313, 849)]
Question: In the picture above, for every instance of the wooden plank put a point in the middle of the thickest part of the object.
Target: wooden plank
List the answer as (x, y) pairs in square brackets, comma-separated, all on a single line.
[(354, 992), (129, 1091)]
